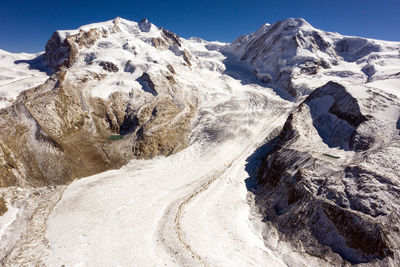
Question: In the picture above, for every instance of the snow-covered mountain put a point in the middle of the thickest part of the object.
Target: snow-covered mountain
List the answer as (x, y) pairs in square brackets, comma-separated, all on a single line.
[(117, 77), (281, 148), (294, 56)]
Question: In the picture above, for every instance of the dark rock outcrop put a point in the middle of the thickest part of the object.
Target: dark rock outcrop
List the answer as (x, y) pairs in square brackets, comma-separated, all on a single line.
[(144, 25), (172, 37), (3, 206), (147, 83), (108, 66)]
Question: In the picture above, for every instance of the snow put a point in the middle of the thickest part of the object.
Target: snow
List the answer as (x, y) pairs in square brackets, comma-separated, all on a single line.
[(7, 219), (102, 25), (131, 50), (18, 72), (390, 85), (118, 217)]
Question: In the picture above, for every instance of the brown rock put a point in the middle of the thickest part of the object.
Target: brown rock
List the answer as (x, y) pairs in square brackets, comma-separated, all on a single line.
[(3, 206)]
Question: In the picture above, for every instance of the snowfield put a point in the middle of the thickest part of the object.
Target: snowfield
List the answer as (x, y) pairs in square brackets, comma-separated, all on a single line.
[(19, 72)]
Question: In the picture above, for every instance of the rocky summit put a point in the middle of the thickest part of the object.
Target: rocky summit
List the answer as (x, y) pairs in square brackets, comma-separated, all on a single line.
[(281, 148)]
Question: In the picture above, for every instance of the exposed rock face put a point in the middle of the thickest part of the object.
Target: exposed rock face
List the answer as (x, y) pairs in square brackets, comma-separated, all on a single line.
[(187, 57), (330, 184), (144, 25), (171, 41), (108, 66), (3, 206), (172, 37), (149, 85), (154, 133), (167, 40), (63, 52), (59, 130), (171, 68)]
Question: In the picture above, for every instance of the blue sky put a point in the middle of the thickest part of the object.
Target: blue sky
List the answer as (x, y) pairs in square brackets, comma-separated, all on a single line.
[(27, 25)]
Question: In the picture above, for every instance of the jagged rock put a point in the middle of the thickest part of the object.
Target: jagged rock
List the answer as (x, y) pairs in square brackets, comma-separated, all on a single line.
[(144, 25), (170, 79), (148, 83), (164, 141), (187, 57), (167, 40), (159, 43), (108, 66), (129, 66), (3, 206), (171, 68), (174, 39)]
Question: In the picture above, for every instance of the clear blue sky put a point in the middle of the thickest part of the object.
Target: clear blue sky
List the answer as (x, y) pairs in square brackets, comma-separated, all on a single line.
[(27, 25)]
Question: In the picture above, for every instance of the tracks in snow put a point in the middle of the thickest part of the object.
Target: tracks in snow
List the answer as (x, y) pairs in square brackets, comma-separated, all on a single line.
[(178, 246), (178, 216), (30, 248)]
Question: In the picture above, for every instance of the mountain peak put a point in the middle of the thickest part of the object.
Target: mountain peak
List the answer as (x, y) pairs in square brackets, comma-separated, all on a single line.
[(291, 26), (144, 20), (296, 22), (144, 25)]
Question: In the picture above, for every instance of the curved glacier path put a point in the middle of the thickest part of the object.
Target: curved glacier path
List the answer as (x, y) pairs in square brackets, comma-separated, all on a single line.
[(192, 208)]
